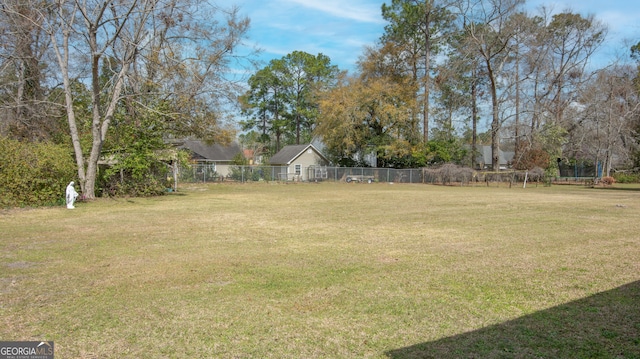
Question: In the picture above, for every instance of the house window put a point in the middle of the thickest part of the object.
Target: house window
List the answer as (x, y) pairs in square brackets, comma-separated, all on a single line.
[(298, 170)]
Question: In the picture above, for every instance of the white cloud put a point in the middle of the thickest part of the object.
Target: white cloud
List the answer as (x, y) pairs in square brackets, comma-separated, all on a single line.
[(362, 12), (336, 28)]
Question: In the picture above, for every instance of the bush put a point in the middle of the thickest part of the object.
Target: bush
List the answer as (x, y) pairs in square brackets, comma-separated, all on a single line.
[(627, 177), (34, 174), (447, 174), (608, 181), (536, 174), (135, 176)]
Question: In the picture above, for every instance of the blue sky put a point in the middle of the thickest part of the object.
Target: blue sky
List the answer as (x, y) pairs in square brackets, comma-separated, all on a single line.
[(341, 28), (337, 28), (622, 18)]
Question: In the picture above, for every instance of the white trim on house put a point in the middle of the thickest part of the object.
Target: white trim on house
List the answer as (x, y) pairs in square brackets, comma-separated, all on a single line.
[(302, 156)]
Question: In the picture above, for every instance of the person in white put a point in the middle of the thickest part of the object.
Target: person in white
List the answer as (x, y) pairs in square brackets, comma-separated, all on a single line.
[(71, 195)]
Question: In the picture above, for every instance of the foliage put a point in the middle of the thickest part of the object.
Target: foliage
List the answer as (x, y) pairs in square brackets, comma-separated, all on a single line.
[(239, 160), (152, 182), (608, 180), (438, 152), (635, 55), (418, 29), (551, 139), (240, 171), (245, 173), (197, 172), (626, 177), (530, 156), (281, 102), (339, 158), (34, 174), (145, 53), (445, 151), (28, 112), (605, 129), (359, 117), (137, 174), (134, 153), (253, 142)]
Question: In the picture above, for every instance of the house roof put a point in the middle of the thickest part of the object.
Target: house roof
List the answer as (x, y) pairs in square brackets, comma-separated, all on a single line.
[(214, 152), (289, 153)]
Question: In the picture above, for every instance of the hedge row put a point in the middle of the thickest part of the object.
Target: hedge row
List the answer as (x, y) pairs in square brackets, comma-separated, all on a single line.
[(34, 174), (627, 177)]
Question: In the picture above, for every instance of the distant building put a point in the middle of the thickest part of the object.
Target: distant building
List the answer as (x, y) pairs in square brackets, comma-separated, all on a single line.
[(295, 161), (254, 157), (484, 159), (220, 157)]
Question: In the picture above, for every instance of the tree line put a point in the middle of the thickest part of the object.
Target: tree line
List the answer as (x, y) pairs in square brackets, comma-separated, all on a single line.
[(448, 76), (112, 81)]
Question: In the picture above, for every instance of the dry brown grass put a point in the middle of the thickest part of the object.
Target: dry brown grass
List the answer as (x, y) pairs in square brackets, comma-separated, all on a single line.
[(328, 270)]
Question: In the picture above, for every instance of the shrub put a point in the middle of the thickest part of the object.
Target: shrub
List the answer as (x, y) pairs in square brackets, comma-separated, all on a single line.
[(536, 174), (608, 181), (447, 174), (34, 174), (627, 177), (239, 173), (135, 175)]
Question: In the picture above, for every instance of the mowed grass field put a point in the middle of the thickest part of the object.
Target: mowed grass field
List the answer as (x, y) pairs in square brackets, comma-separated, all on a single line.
[(329, 271)]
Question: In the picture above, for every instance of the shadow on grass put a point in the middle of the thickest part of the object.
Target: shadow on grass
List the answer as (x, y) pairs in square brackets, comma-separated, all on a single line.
[(605, 325)]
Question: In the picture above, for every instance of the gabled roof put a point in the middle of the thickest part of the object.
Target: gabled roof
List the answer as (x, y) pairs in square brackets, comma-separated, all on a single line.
[(288, 154), (214, 152)]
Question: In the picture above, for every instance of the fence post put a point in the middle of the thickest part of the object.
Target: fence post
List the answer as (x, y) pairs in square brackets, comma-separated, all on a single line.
[(175, 175)]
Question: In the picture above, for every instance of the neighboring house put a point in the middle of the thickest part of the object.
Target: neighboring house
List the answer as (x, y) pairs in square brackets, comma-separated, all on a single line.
[(253, 156), (296, 162), (485, 160), (218, 156)]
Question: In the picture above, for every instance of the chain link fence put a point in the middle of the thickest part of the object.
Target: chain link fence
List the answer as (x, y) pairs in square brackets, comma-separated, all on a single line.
[(206, 173), (446, 175)]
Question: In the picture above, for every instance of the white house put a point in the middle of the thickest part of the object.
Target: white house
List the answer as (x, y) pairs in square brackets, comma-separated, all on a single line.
[(298, 161)]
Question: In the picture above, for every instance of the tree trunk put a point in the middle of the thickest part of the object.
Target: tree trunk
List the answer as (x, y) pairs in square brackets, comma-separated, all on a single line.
[(427, 76), (62, 55), (495, 122), (474, 117), (517, 105)]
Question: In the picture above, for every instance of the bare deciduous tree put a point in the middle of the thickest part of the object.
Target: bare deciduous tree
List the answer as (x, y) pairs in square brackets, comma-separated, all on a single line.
[(23, 48), (489, 31), (140, 39), (603, 129)]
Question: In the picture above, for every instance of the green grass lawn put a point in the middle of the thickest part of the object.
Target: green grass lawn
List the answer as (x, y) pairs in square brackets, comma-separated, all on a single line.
[(329, 271)]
